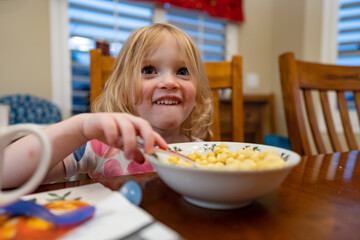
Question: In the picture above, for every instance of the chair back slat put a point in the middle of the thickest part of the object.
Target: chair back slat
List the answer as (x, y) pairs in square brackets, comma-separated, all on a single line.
[(224, 75), (291, 97), (100, 70), (297, 76), (345, 119), (357, 103), (309, 103), (334, 139), (219, 74), (216, 126), (320, 76), (237, 100)]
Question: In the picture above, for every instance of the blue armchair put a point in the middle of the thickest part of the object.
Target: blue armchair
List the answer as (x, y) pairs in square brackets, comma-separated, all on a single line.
[(25, 108)]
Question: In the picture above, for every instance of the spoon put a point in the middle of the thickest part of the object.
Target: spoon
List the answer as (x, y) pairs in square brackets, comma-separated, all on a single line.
[(169, 153), (157, 151)]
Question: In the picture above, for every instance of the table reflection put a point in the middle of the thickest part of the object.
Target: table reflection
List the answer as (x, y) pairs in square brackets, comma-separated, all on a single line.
[(339, 167)]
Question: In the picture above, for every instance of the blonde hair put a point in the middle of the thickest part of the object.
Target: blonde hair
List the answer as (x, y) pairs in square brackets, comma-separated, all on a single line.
[(124, 81)]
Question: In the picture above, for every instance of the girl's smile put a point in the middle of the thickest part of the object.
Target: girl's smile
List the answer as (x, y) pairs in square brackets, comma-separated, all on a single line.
[(167, 100)]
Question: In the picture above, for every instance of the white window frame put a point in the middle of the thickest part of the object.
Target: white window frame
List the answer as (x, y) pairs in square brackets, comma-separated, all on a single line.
[(60, 56), (328, 51), (329, 54), (60, 53)]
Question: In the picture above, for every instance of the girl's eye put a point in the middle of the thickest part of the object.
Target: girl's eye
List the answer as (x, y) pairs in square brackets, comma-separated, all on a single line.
[(148, 70), (183, 71)]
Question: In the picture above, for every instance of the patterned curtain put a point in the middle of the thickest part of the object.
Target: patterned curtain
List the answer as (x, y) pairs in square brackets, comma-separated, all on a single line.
[(229, 9)]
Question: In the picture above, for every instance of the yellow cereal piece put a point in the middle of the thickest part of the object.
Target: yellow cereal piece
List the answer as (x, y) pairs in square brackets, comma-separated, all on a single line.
[(224, 150), (219, 165), (198, 160), (203, 162), (217, 150), (241, 156), (191, 156), (223, 145), (232, 154), (197, 154), (210, 154), (211, 166), (255, 156), (173, 159), (212, 159), (221, 157), (247, 165), (184, 164), (230, 161)]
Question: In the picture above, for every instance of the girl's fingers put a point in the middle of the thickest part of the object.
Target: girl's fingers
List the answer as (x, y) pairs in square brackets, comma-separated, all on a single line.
[(138, 157), (127, 131), (160, 141), (149, 136), (100, 126), (108, 127), (110, 131), (146, 132)]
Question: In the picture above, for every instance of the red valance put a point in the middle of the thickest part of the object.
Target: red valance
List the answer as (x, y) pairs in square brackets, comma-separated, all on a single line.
[(229, 9)]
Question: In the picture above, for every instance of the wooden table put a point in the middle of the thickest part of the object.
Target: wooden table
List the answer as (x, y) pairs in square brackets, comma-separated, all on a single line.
[(320, 199)]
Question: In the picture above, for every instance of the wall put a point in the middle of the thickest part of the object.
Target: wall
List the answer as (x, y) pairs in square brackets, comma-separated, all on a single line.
[(288, 37), (255, 43), (25, 47), (274, 27)]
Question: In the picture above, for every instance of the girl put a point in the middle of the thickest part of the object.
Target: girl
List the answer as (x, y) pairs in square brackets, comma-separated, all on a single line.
[(158, 91)]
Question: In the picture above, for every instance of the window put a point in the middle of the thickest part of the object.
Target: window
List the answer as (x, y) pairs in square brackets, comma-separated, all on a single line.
[(99, 21), (79, 24), (343, 33), (349, 37), (349, 33), (208, 33)]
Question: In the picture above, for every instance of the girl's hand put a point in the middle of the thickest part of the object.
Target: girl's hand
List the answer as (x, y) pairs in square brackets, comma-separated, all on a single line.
[(108, 127)]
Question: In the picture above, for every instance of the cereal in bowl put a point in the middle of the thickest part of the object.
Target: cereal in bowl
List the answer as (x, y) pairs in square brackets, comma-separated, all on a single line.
[(221, 158)]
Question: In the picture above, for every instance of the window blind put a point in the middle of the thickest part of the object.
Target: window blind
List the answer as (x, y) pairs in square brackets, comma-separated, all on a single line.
[(208, 33), (349, 38), (104, 21), (349, 33)]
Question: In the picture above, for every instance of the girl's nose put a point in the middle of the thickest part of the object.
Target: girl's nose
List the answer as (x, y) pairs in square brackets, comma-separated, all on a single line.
[(168, 81)]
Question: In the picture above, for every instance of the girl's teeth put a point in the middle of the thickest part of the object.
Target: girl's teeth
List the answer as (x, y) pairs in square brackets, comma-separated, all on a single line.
[(167, 102)]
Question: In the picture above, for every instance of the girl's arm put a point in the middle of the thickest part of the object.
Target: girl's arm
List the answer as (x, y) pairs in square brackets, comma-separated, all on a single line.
[(21, 157)]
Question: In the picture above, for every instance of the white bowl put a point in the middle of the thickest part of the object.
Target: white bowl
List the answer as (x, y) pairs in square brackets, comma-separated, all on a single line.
[(220, 189)]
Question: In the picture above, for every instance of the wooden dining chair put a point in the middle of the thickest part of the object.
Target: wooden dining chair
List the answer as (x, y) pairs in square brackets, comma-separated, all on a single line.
[(100, 69), (221, 75), (299, 79), (227, 75)]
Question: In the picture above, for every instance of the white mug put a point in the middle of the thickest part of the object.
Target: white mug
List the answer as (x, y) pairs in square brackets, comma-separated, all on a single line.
[(8, 134)]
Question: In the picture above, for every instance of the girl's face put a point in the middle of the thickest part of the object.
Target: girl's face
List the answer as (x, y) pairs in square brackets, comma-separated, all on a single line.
[(168, 91)]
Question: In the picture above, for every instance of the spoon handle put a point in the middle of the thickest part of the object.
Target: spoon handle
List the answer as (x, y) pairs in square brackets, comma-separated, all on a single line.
[(140, 146)]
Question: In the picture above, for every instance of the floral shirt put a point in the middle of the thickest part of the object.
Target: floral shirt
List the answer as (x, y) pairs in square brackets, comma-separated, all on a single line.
[(99, 160)]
